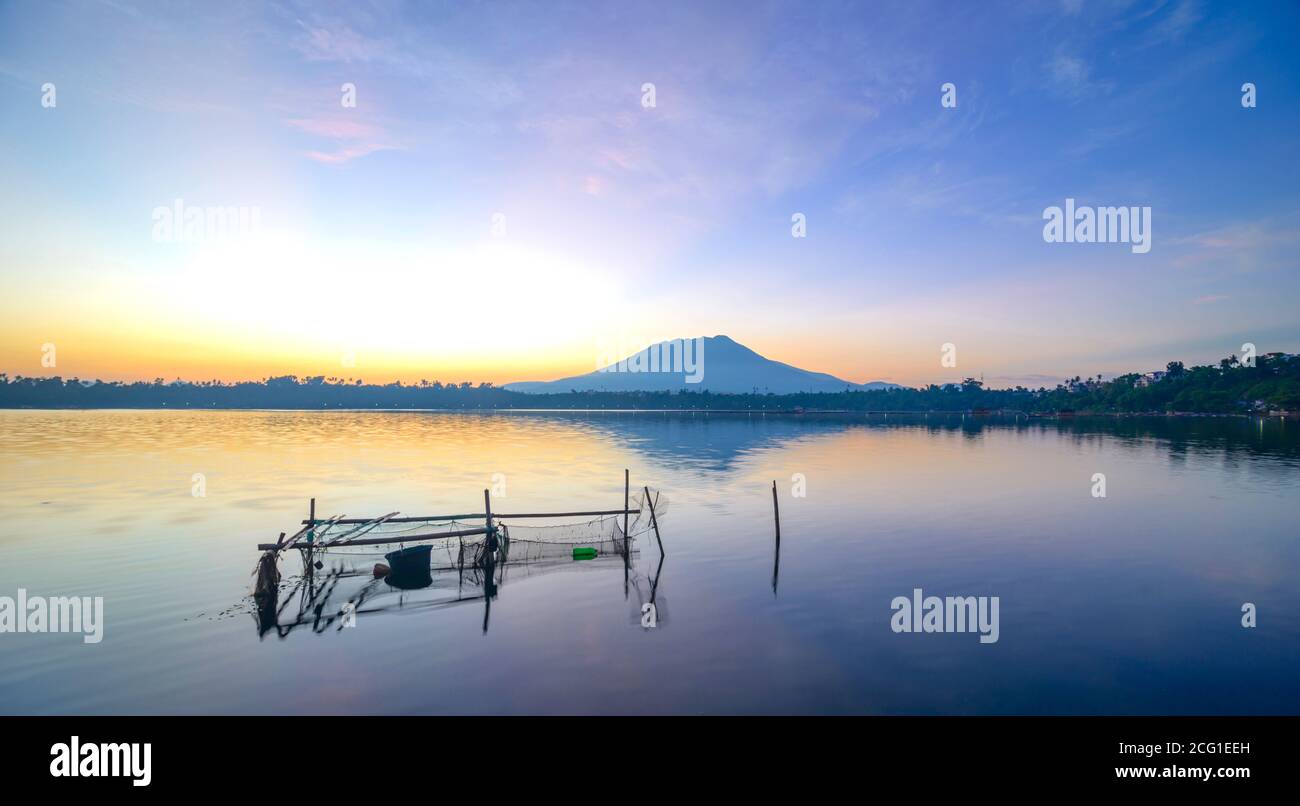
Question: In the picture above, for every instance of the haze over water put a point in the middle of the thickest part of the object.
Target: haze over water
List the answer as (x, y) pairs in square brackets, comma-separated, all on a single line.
[(1127, 604)]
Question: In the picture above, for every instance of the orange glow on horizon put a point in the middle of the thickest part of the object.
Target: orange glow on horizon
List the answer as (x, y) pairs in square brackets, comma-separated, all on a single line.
[(96, 352)]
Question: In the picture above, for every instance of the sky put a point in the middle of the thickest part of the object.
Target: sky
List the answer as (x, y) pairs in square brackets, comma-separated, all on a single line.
[(504, 201)]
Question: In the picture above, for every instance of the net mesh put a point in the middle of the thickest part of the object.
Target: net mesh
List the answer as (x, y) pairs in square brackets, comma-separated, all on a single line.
[(339, 579), (338, 576), (523, 540)]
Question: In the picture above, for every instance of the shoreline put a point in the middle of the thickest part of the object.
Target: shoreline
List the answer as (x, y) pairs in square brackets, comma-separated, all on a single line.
[(986, 415)]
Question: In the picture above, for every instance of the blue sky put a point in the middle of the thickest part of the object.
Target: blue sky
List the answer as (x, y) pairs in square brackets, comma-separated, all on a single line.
[(626, 223)]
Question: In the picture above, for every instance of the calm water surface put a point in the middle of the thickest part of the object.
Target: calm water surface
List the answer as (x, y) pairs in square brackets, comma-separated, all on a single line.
[(1127, 604)]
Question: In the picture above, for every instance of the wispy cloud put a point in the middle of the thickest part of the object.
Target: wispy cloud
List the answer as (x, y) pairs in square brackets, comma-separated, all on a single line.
[(1173, 24), (1241, 246), (1071, 76), (351, 139), (339, 128), (1246, 234), (345, 153), (1098, 138), (828, 109), (338, 43)]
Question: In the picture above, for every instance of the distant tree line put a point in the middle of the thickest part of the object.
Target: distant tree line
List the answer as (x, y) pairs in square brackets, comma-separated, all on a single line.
[(1273, 383)]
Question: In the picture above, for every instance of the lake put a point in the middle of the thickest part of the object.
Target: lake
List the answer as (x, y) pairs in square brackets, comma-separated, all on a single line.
[(1125, 604)]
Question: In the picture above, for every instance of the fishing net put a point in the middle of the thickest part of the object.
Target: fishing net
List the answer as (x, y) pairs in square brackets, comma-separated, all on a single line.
[(340, 576), (331, 534), (520, 541), (530, 541)]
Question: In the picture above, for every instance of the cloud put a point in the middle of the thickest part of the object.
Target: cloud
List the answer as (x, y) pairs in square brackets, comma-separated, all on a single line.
[(1245, 235), (343, 45), (1242, 246), (337, 42), (1174, 26), (1100, 137), (351, 138), (346, 154), (412, 53), (1071, 76), (338, 128)]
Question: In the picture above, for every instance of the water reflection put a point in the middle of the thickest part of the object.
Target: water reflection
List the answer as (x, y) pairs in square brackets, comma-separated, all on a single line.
[(334, 586), (1128, 604), (718, 442)]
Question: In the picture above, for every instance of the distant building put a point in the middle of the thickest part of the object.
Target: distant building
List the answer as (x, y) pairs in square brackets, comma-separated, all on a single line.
[(1151, 377)]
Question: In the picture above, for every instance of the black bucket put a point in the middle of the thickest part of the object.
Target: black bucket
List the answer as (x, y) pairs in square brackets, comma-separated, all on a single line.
[(409, 567)]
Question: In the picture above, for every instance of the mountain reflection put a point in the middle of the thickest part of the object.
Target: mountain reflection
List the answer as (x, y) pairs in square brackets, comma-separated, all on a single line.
[(718, 442)]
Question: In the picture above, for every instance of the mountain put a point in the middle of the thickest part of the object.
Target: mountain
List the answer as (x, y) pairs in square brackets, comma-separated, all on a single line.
[(719, 363)]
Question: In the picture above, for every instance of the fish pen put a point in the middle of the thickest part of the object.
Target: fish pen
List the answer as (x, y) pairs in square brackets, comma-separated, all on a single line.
[(353, 566)]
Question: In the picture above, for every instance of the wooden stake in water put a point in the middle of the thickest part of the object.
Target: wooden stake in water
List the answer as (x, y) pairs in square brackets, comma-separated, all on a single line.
[(627, 542), (776, 512), (776, 552), (653, 520), (489, 562), (311, 517), (491, 530)]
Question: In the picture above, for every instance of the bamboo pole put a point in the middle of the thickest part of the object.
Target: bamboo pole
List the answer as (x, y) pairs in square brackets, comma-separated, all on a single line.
[(478, 515), (776, 512), (302, 534), (376, 541), (491, 530), (653, 521), (489, 561), (362, 529), (627, 541), (310, 534), (776, 552), (505, 516), (311, 515)]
